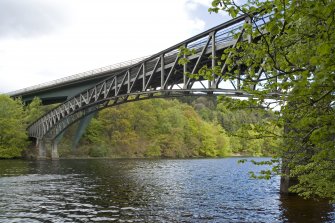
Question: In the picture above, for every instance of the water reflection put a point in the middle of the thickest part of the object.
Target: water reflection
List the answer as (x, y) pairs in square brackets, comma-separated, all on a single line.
[(297, 209), (13, 167), (205, 190)]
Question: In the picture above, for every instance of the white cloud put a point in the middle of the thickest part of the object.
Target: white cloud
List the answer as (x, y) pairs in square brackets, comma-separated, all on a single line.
[(29, 18), (96, 33)]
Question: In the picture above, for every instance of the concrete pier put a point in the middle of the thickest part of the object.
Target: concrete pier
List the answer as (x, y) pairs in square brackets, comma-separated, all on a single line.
[(47, 149)]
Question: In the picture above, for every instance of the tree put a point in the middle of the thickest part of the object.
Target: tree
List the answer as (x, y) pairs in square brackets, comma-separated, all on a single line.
[(12, 127), (33, 110), (155, 128), (295, 48)]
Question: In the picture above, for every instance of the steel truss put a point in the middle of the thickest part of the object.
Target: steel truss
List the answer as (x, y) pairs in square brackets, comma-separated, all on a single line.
[(157, 76)]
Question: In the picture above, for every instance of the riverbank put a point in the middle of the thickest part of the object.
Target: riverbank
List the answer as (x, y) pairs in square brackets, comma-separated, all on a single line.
[(31, 157)]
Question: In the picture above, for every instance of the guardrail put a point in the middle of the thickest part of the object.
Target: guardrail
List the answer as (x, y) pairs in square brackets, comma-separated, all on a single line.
[(78, 76)]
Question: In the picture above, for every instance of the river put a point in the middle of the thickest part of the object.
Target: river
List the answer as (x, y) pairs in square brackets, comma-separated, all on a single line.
[(142, 190)]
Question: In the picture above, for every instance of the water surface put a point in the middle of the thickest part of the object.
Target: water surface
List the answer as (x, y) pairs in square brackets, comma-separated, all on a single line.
[(136, 190)]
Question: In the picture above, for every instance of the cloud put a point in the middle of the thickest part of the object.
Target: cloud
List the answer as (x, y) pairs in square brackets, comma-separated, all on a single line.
[(72, 36), (199, 9), (29, 18)]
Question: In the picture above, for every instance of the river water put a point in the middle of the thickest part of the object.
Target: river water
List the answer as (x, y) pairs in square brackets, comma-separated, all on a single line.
[(140, 190)]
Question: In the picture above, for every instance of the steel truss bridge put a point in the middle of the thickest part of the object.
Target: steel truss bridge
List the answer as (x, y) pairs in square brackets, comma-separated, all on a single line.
[(159, 75)]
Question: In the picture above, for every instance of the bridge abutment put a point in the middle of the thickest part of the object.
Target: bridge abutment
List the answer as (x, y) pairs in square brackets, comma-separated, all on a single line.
[(47, 149)]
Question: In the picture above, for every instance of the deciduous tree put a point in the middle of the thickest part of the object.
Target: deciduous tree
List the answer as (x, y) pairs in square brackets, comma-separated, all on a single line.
[(294, 44), (12, 127)]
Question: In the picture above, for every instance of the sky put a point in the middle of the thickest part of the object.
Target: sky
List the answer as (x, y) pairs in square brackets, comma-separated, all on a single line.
[(44, 40)]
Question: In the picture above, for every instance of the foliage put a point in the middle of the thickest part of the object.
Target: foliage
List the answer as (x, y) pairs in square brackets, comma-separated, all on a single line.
[(246, 128), (295, 48), (168, 128), (12, 127), (14, 119), (162, 128), (33, 110), (156, 128)]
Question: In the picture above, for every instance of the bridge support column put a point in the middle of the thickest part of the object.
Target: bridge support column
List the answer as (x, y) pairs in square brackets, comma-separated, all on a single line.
[(41, 149), (81, 129), (54, 150), (47, 149)]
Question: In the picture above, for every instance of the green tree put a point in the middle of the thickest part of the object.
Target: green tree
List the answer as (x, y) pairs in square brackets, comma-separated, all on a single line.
[(33, 110), (155, 128), (13, 136), (296, 50)]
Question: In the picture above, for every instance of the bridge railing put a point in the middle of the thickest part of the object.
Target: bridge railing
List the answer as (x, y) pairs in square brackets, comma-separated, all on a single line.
[(78, 76)]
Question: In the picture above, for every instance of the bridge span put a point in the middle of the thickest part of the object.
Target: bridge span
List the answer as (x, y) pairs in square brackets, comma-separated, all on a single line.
[(159, 75), (58, 91)]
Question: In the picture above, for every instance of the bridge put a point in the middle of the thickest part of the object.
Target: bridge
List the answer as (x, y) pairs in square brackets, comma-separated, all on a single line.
[(159, 75), (58, 91)]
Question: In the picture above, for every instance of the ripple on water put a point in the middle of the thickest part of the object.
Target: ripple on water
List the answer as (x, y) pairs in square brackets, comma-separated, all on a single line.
[(204, 190)]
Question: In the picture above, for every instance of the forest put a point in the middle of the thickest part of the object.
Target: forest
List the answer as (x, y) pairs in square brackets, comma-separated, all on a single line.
[(167, 128)]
